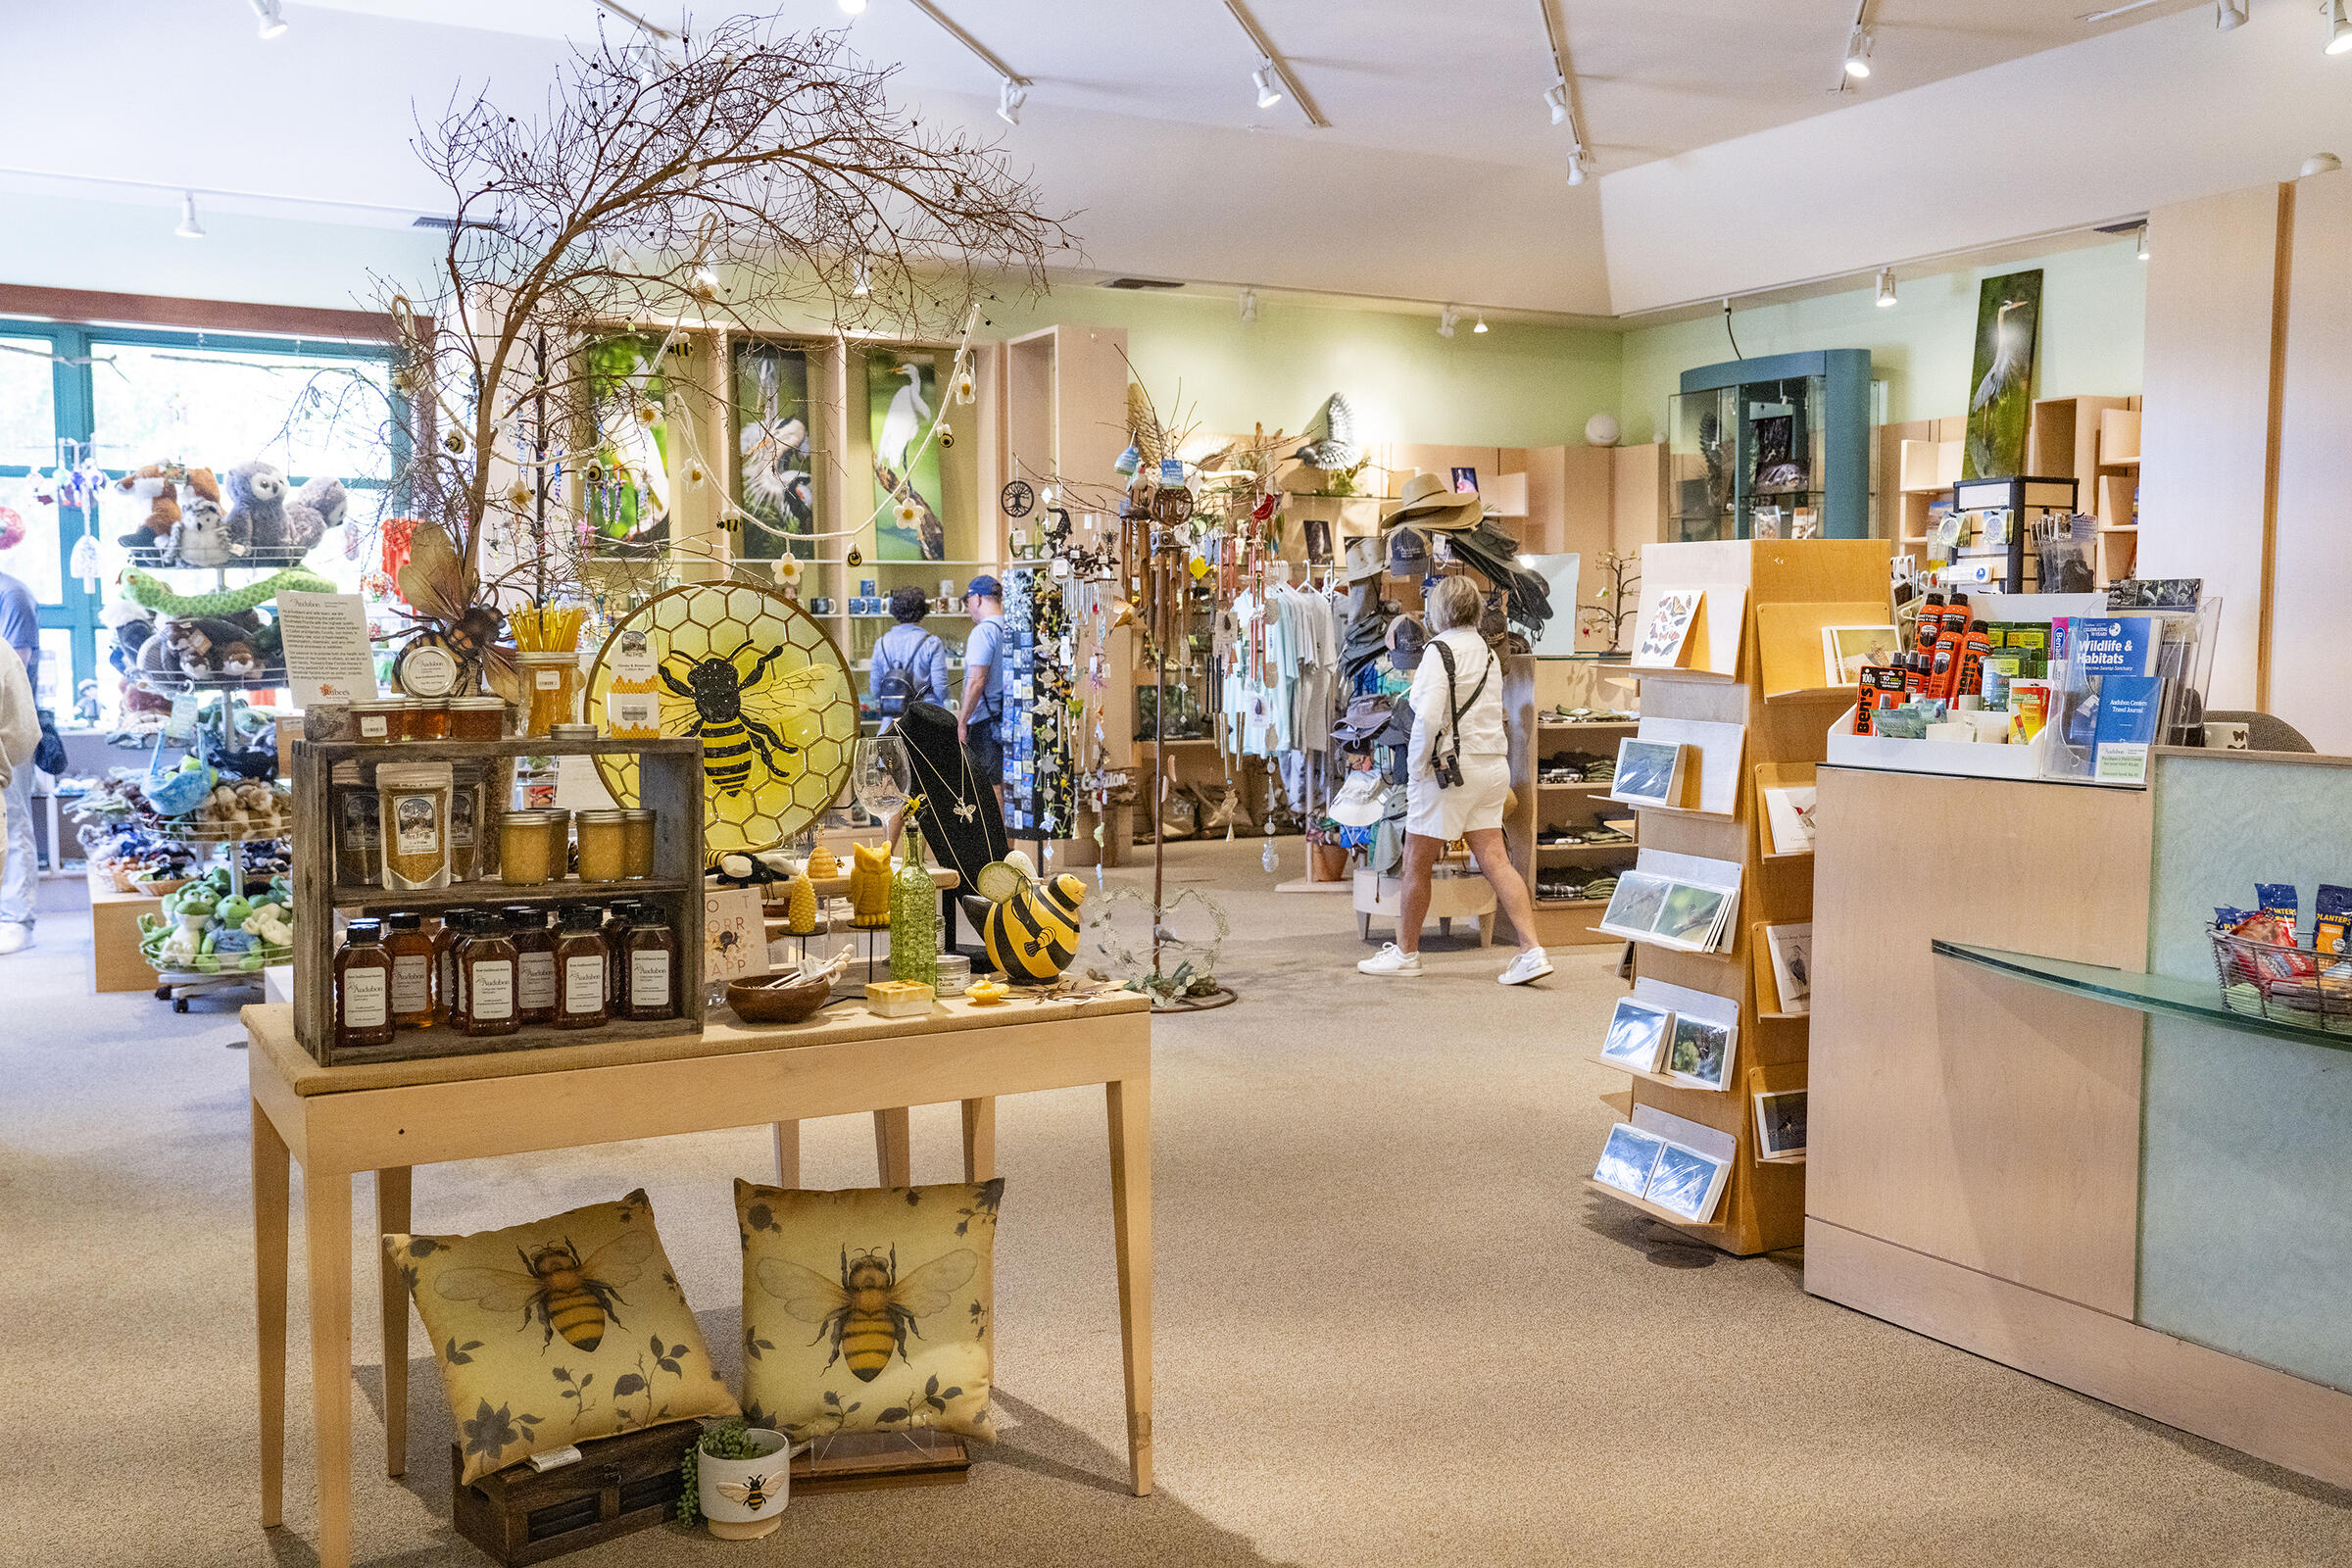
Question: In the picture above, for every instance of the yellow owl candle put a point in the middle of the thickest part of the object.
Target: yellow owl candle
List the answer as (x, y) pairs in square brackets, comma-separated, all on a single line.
[(869, 886)]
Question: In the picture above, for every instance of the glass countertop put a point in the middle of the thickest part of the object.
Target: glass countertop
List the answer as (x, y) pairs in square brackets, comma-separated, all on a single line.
[(2148, 993)]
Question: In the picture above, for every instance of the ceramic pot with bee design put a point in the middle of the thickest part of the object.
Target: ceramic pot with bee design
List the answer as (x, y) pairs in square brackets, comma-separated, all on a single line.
[(744, 1499)]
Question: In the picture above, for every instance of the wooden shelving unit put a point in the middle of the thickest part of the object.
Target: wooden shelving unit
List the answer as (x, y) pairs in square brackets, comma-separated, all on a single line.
[(1763, 1205), (1561, 922), (669, 781)]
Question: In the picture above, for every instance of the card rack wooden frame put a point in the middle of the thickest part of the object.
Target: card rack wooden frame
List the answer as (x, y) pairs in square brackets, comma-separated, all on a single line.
[(670, 783), (1559, 922), (1763, 1208)]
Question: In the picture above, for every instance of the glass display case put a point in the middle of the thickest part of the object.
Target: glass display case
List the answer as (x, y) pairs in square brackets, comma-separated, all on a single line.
[(1772, 447)]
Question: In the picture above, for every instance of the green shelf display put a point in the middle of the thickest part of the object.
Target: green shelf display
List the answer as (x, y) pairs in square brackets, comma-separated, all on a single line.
[(2148, 993)]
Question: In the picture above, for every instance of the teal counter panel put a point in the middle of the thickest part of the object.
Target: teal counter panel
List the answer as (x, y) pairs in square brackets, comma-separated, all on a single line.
[(2246, 1175)]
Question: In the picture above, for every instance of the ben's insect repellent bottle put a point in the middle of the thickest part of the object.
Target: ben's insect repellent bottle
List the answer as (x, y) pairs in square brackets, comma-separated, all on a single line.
[(1866, 700), (1930, 624), (1944, 674), (1955, 616), (1972, 659)]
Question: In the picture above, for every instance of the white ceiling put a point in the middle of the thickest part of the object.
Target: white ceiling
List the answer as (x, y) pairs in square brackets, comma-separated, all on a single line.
[(1440, 179)]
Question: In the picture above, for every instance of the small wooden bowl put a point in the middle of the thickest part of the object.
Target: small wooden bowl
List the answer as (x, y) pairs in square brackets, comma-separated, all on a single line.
[(773, 999)]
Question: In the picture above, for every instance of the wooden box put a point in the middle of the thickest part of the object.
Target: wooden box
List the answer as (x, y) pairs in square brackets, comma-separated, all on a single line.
[(115, 963), (521, 1515), (669, 781)]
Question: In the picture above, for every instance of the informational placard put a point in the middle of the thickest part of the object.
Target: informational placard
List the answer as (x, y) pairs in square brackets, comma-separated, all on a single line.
[(734, 934), (328, 659)]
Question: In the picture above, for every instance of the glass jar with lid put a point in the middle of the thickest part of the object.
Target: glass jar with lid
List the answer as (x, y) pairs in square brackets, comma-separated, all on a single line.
[(637, 843), (363, 988), (486, 964), (525, 858), (603, 839), (551, 683), (618, 916), (580, 970), (651, 964), (477, 718), (412, 959)]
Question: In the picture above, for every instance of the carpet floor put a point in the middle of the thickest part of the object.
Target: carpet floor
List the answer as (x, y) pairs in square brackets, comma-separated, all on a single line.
[(1394, 1327)]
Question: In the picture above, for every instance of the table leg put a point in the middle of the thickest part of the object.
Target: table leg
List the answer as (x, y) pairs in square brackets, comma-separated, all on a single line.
[(788, 1153), (1130, 1106), (327, 1215), (979, 1138), (894, 1147), (392, 1219), (269, 1167)]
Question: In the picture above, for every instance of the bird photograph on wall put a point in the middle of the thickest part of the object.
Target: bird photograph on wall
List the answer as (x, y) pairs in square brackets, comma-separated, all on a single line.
[(902, 394), (772, 409), (2008, 320)]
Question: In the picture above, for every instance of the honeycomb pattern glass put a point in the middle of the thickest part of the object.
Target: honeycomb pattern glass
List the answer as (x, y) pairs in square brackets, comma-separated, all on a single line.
[(767, 691)]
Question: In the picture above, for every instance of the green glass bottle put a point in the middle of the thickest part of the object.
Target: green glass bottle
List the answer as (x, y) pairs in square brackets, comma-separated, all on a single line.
[(915, 917)]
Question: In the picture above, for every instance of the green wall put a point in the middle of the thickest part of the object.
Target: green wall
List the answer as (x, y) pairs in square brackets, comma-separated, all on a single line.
[(1518, 385), (2093, 305)]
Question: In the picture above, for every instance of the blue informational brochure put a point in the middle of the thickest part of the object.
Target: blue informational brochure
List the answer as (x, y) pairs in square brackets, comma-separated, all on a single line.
[(2129, 709)]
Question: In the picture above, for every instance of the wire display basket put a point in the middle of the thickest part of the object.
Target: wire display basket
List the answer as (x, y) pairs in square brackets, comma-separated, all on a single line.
[(2287, 984)]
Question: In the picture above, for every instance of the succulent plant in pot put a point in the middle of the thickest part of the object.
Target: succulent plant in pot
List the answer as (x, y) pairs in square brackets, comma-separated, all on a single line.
[(737, 1479)]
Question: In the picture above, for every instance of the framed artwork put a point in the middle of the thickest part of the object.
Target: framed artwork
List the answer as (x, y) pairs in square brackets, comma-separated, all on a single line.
[(625, 485), (2001, 402), (774, 479), (1465, 481), (902, 390)]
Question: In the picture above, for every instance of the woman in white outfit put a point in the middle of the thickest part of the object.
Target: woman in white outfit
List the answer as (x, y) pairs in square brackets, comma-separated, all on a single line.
[(1436, 813)]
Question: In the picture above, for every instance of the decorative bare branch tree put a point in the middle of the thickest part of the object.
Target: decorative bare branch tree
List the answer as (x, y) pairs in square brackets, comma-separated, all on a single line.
[(730, 179)]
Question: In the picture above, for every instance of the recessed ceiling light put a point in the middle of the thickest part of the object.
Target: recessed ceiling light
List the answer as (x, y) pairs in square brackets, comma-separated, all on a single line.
[(2228, 15), (2340, 30), (1885, 287), (1857, 54), (1009, 99), (272, 17), (188, 228), (1268, 95)]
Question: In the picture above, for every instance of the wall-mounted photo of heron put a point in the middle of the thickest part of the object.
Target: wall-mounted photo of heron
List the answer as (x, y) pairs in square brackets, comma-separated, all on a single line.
[(2001, 405), (758, 680)]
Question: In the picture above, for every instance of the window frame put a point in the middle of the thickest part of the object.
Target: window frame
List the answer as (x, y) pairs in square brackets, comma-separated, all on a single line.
[(74, 404)]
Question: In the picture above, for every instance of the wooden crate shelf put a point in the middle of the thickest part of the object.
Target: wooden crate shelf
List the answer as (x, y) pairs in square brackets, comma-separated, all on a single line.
[(669, 782)]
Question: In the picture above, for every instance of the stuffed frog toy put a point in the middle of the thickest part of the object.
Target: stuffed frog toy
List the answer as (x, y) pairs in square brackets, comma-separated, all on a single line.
[(272, 923)]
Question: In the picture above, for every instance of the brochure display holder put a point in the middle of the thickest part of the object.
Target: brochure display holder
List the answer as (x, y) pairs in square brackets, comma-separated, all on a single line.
[(1781, 592)]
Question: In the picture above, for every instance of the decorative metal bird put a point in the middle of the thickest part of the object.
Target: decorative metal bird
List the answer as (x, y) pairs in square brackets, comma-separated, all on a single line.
[(1331, 436)]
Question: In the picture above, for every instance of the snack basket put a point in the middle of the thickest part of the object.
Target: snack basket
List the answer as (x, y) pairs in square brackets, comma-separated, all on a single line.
[(2287, 984)]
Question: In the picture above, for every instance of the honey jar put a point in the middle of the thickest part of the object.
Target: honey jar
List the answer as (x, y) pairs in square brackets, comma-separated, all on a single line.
[(524, 856), (378, 723), (637, 843), (551, 683), (477, 718), (603, 838)]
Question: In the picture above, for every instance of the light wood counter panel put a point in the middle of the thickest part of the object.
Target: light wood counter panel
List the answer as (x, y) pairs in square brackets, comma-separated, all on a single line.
[(1955, 1112)]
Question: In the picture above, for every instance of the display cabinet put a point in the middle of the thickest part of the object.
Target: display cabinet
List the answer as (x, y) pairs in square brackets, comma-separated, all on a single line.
[(1774, 447)]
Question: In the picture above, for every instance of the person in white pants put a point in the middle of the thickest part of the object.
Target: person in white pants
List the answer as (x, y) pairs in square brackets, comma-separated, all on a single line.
[(19, 736)]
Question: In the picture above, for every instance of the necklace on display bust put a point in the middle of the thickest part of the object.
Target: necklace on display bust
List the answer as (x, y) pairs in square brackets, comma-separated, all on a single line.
[(967, 806)]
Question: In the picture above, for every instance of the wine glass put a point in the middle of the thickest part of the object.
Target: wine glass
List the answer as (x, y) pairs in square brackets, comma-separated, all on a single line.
[(882, 775)]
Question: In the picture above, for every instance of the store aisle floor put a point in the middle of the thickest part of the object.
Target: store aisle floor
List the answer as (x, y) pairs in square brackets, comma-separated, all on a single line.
[(1394, 1325)]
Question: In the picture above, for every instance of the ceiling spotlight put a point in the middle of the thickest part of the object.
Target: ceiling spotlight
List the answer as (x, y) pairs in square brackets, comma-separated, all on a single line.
[(864, 284), (2340, 30), (1857, 54), (1009, 99), (2229, 14), (1555, 97), (1576, 166), (272, 17), (853, 7), (2141, 249), (1482, 323), (188, 228), (1267, 94), (1885, 287), (1249, 305), (2319, 164), (1445, 319)]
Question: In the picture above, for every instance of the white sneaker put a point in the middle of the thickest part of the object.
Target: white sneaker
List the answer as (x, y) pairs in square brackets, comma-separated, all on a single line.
[(14, 938), (1392, 960), (1528, 965)]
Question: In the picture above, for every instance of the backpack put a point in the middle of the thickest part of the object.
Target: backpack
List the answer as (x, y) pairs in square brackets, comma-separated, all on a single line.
[(894, 683)]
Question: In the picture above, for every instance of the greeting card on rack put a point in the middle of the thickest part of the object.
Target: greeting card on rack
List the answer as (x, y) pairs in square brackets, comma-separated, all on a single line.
[(1666, 636)]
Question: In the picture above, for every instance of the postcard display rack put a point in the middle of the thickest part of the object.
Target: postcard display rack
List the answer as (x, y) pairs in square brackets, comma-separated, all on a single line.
[(669, 782), (1743, 697), (1580, 806)]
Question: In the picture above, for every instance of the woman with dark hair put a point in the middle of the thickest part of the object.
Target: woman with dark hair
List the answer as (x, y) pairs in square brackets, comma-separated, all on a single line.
[(910, 665)]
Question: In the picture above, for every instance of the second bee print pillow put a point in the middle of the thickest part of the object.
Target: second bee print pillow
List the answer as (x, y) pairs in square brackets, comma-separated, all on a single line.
[(868, 1310), (559, 1330)]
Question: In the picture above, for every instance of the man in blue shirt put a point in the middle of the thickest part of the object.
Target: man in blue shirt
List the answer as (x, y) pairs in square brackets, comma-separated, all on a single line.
[(983, 710), (21, 629), (910, 665)]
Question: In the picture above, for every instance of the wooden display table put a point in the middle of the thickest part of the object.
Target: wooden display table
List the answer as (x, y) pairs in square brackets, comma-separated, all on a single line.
[(388, 1117)]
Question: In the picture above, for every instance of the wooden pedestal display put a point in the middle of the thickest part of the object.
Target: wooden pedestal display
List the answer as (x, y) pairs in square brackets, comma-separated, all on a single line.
[(1757, 675)]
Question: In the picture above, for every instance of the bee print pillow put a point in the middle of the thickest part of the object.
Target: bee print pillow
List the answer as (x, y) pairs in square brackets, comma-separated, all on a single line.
[(556, 1332), (870, 1309)]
